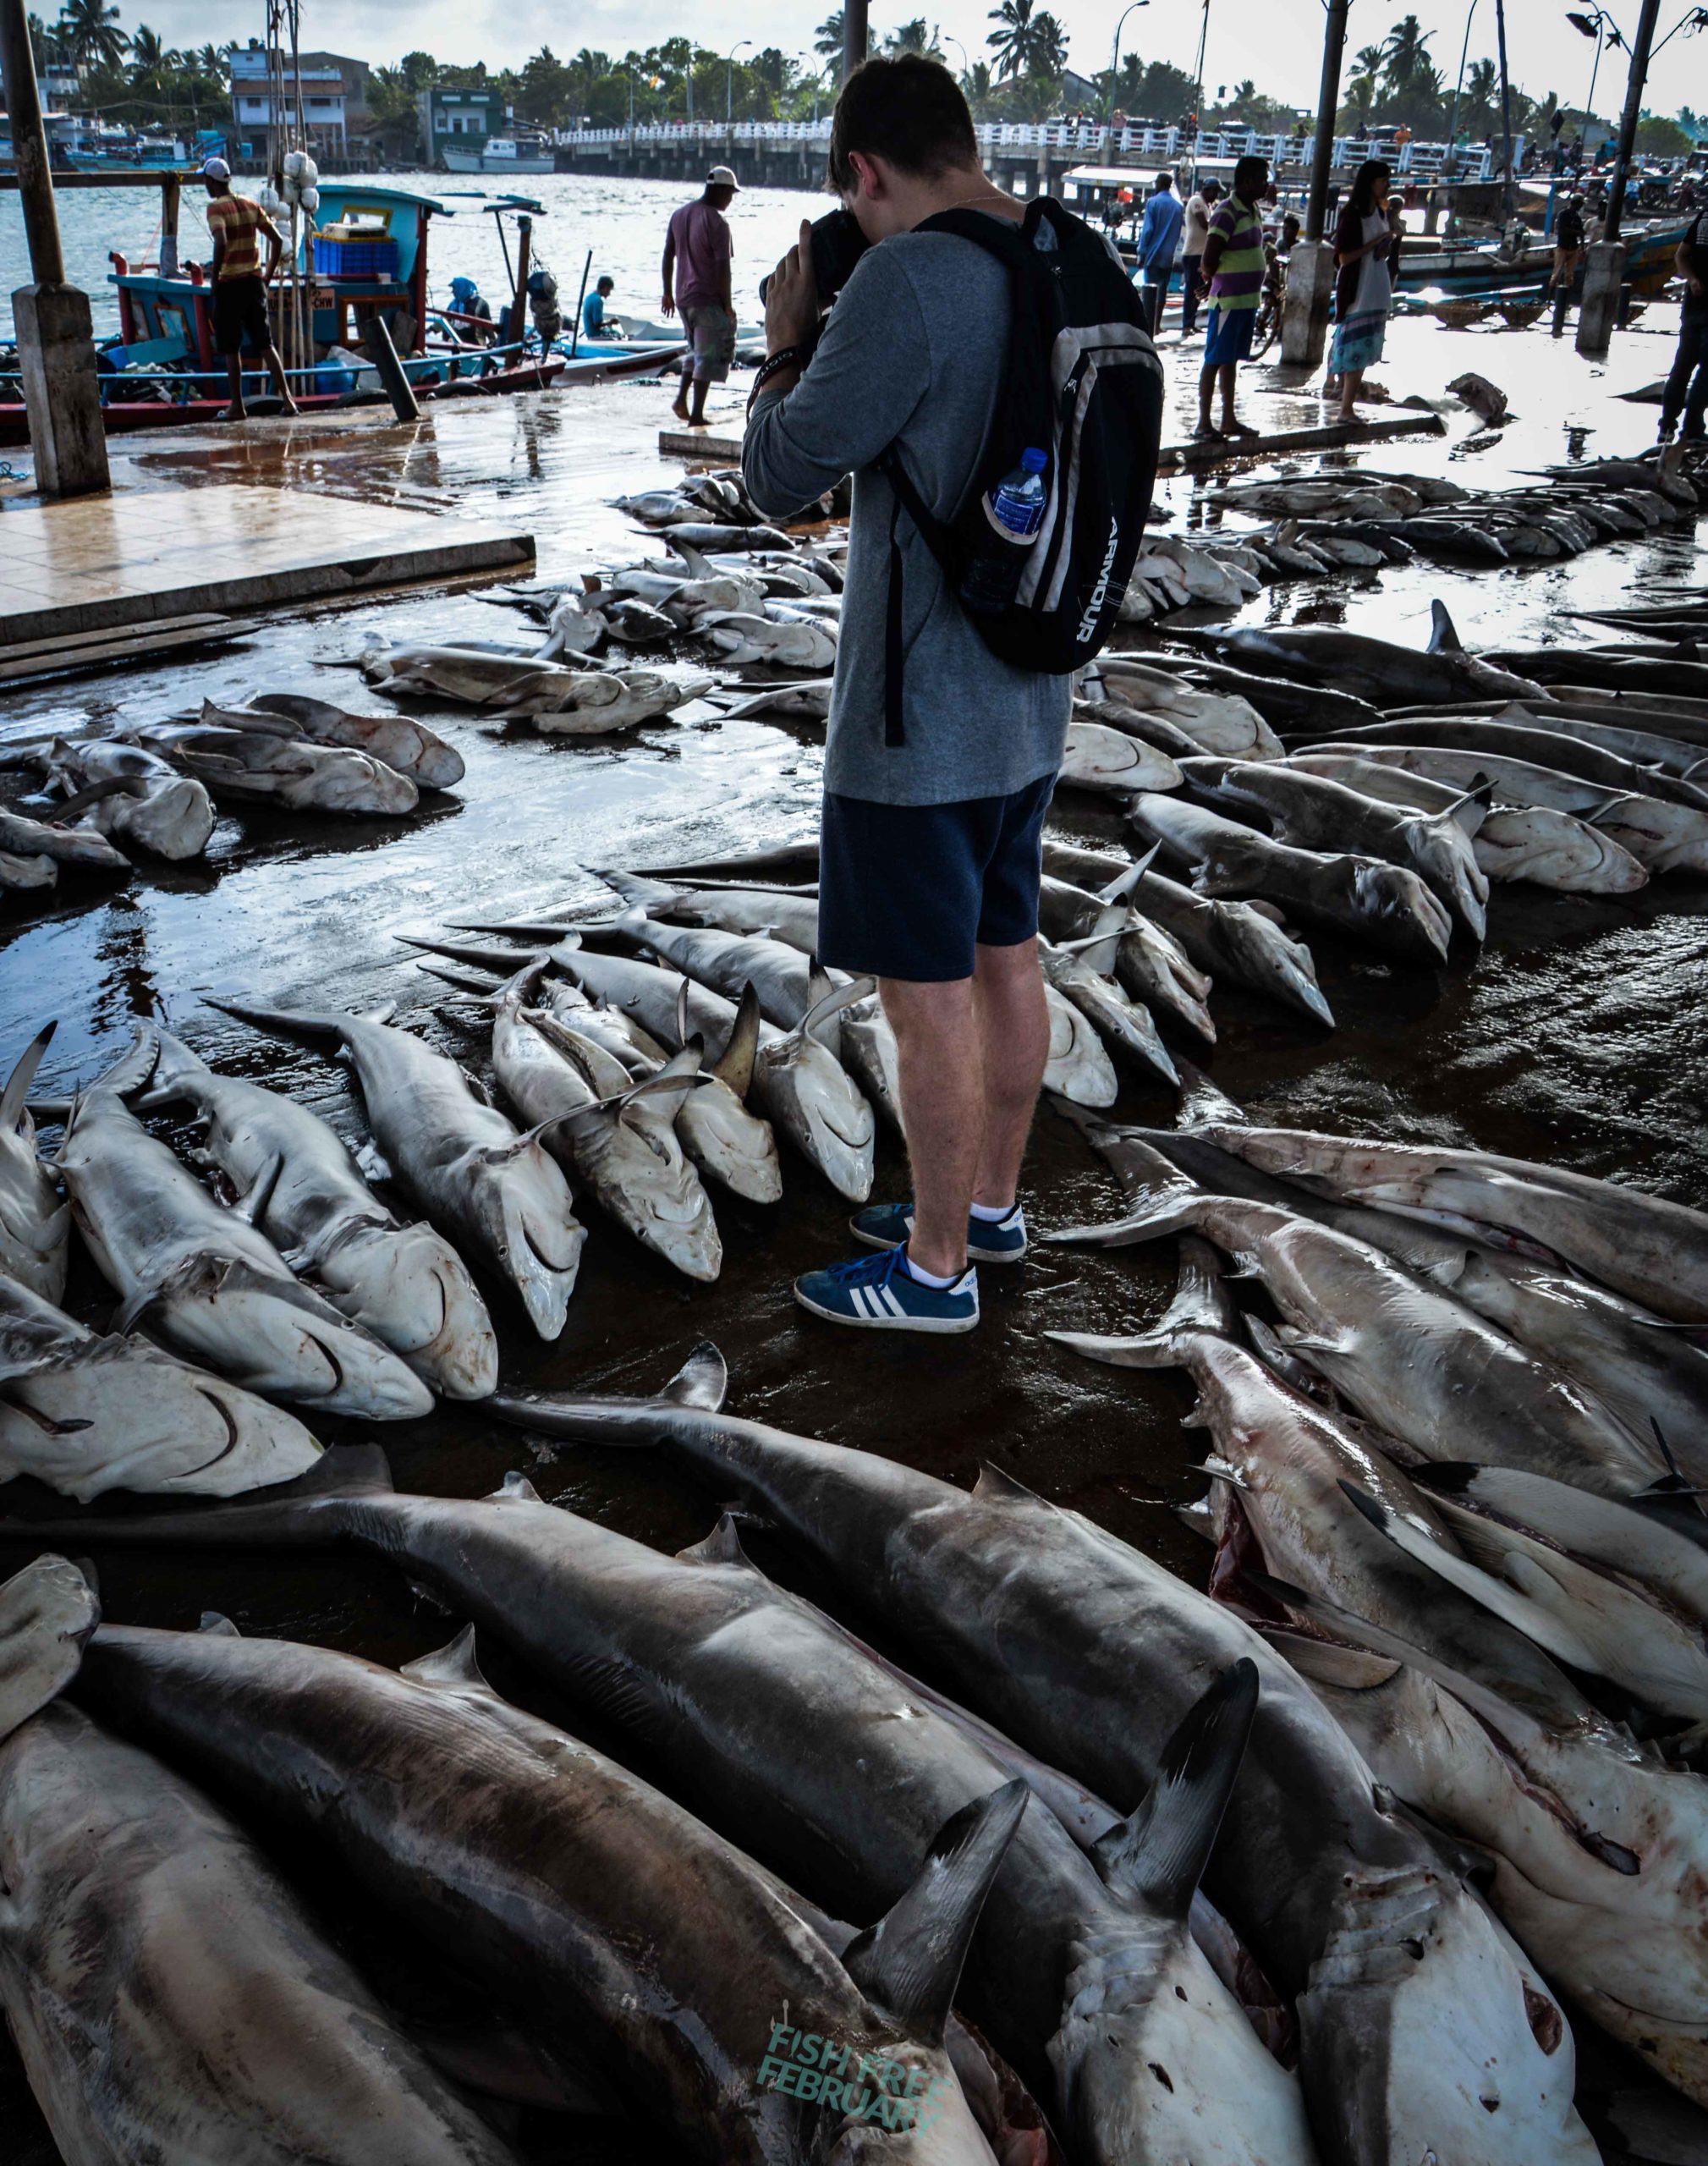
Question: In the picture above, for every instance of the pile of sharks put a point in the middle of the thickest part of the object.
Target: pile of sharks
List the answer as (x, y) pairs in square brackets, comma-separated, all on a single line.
[(1456, 1462), (154, 792)]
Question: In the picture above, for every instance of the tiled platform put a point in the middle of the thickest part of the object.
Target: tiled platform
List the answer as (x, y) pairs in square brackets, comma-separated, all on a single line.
[(143, 553)]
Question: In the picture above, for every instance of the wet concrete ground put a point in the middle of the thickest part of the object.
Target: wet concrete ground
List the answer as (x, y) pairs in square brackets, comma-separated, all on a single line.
[(1576, 1036)]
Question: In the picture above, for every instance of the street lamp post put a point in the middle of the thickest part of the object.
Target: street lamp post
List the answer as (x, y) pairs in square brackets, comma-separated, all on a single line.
[(1464, 54), (966, 65), (1115, 57), (729, 83)]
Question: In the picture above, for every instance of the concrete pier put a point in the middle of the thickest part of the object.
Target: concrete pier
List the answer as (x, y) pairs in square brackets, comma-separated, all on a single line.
[(1604, 272), (55, 334)]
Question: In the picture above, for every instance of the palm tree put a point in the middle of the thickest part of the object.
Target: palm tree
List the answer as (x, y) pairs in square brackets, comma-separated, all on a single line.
[(210, 62), (91, 30), (1050, 50), (1015, 40), (149, 58), (1482, 97), (1406, 62), (1361, 84), (913, 36)]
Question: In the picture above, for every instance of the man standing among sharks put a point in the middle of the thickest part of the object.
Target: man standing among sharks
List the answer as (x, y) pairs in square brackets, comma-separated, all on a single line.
[(941, 755)]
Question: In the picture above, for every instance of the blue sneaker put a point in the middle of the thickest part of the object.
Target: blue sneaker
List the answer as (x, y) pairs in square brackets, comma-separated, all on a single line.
[(988, 1240), (879, 1293)]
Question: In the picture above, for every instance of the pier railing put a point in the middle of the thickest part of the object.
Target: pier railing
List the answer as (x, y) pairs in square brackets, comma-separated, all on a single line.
[(1138, 147)]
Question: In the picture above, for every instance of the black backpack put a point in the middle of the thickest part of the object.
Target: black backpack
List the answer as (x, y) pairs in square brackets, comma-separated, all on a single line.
[(1083, 384)]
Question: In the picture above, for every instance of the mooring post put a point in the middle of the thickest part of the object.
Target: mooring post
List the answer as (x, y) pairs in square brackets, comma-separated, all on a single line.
[(1604, 265), (1310, 268), (50, 319)]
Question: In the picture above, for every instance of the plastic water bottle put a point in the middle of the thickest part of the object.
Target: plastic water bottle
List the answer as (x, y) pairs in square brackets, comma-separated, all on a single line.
[(1016, 512)]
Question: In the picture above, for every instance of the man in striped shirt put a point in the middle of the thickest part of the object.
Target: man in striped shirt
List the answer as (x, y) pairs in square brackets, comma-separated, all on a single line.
[(1234, 267)]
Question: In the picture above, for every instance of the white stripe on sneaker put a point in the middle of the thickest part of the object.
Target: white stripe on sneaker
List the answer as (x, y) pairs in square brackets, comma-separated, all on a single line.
[(889, 1302), (857, 1299)]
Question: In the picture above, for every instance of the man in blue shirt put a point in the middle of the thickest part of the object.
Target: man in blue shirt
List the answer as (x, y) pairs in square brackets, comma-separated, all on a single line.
[(1159, 238), (593, 310)]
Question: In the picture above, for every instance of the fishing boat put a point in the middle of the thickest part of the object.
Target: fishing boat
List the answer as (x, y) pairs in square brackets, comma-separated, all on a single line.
[(1464, 269), (365, 256), (500, 154)]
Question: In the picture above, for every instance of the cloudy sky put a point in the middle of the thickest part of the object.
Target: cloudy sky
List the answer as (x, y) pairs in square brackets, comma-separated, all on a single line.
[(1276, 42)]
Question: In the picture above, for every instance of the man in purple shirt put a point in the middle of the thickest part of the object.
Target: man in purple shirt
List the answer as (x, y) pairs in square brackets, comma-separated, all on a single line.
[(697, 255)]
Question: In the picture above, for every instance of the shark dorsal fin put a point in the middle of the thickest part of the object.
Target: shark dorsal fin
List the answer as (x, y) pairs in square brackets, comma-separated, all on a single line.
[(217, 1626), (702, 1381), (722, 1546), (1444, 638), (908, 1963), (993, 1486), (515, 1489), (451, 1668), (1159, 1853)]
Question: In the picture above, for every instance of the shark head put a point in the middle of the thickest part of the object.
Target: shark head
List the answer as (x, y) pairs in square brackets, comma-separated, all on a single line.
[(521, 1202), (409, 1286), (811, 1097), (1422, 2034)]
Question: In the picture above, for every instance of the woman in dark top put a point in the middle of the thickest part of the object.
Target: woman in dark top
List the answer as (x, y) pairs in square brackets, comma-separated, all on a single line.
[(1366, 253)]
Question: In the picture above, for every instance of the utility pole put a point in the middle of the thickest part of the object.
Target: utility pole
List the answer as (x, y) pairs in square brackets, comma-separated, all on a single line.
[(854, 36), (1604, 268), (50, 319), (1310, 268), (1509, 189)]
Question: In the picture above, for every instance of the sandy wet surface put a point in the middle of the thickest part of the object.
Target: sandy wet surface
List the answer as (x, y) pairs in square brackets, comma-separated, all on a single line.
[(1577, 1035)]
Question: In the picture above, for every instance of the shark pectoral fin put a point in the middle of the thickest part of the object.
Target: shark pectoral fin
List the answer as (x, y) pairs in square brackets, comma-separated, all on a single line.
[(313, 1023), (478, 990), (1122, 887), (734, 1064), (452, 1668), (663, 1094), (1171, 1213), (1098, 950), (722, 1546), (702, 1381), (124, 1317), (821, 1019), (47, 1614), (251, 1206), (1515, 1604), (17, 1090), (909, 1963), (1322, 1661), (1159, 1853)]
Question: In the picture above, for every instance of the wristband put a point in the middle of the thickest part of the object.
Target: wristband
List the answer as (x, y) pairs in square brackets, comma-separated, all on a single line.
[(786, 357)]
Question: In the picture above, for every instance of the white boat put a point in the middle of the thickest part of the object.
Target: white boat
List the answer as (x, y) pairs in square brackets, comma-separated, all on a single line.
[(498, 154)]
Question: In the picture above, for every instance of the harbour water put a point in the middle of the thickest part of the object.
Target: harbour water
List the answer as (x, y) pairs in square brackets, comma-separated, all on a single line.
[(621, 221)]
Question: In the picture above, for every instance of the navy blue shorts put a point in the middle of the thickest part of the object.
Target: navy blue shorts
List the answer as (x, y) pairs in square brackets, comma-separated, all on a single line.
[(909, 891)]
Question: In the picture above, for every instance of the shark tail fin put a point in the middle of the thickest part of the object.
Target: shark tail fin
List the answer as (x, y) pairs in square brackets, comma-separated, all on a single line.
[(282, 1022), (1200, 1101), (909, 1963), (1200, 1304), (1160, 1853), (47, 1613), (22, 1076)]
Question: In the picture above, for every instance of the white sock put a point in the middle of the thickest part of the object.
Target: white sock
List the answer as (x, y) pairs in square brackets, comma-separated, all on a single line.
[(931, 1278), (992, 1214)]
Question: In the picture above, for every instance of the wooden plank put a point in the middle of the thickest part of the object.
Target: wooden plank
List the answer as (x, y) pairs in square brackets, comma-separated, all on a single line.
[(706, 445), (701, 444), (1175, 456), (137, 647)]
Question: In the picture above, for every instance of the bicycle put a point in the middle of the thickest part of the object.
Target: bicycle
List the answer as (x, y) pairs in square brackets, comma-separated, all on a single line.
[(1269, 307)]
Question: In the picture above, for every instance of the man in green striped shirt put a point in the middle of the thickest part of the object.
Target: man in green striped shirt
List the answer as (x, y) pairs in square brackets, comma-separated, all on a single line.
[(1233, 268)]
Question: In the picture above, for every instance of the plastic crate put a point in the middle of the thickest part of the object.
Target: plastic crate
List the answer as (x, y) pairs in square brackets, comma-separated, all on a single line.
[(355, 258)]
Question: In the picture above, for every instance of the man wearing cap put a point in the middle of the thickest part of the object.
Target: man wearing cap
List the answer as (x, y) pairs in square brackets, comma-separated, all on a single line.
[(239, 289), (698, 252)]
